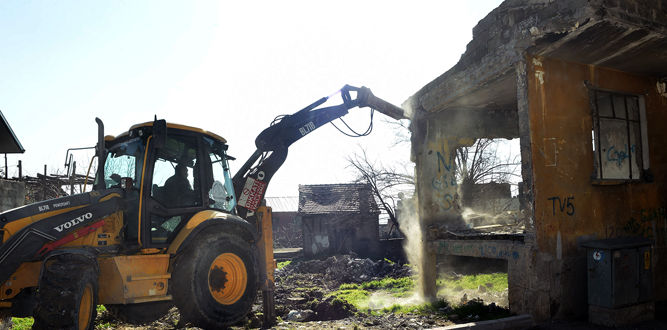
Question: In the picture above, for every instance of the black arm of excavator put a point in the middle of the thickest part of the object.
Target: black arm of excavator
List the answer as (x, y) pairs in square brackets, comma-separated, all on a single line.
[(250, 182)]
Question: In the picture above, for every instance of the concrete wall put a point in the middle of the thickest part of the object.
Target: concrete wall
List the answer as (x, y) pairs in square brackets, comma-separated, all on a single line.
[(330, 234), (12, 194), (610, 45), (565, 206), (571, 207), (561, 122)]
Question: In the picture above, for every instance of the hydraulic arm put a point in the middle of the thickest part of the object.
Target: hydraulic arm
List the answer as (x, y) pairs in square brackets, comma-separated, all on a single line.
[(250, 182)]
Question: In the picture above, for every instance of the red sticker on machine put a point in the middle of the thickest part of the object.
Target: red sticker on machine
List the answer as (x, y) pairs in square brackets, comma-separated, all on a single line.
[(251, 197)]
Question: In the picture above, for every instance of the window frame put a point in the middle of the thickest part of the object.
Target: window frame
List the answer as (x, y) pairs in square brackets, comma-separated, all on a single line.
[(641, 137), (152, 206)]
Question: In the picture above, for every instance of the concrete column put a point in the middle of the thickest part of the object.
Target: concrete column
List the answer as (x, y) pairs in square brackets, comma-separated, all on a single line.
[(523, 110), (437, 192), (429, 274)]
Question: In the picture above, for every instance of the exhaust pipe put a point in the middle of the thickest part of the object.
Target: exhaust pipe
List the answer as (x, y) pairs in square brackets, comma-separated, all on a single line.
[(100, 185)]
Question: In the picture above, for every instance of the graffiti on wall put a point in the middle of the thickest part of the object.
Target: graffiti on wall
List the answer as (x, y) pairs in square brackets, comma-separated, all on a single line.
[(443, 180), (618, 155), (493, 251), (651, 223), (565, 205)]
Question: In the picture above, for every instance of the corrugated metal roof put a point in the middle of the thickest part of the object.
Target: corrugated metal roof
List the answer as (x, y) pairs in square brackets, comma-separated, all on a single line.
[(283, 204), (336, 198)]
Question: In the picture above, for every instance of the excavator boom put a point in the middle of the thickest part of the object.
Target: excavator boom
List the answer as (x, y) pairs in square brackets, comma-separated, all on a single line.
[(250, 182)]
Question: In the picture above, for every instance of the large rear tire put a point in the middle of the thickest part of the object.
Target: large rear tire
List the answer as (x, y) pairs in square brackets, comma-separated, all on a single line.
[(67, 295), (215, 280), (140, 313)]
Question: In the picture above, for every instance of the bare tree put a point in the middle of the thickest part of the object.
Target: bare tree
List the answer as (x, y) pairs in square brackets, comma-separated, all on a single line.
[(401, 130), (385, 180), (483, 163)]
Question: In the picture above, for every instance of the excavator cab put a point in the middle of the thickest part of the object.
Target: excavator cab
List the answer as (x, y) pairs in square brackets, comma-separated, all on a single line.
[(166, 184)]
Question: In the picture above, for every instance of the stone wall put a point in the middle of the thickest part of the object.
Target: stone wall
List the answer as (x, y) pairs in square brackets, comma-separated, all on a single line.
[(12, 194)]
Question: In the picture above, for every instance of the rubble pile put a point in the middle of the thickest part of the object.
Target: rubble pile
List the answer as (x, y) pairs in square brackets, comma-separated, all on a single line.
[(341, 269)]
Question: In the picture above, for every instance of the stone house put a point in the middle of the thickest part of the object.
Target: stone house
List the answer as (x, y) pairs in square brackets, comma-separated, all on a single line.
[(339, 218), (581, 84)]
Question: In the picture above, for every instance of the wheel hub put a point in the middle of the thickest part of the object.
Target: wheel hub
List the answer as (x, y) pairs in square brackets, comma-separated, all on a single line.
[(227, 278), (217, 279)]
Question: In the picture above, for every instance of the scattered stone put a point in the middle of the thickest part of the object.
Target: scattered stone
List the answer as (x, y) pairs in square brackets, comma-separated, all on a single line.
[(446, 310), (481, 289), (346, 269), (300, 315), (297, 300)]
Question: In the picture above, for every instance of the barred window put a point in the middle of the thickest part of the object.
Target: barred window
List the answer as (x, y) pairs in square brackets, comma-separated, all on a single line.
[(618, 135)]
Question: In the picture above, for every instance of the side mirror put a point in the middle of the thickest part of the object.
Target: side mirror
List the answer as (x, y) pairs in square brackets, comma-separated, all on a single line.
[(159, 132)]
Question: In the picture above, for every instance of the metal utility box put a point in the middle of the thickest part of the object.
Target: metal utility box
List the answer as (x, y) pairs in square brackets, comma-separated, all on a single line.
[(619, 271)]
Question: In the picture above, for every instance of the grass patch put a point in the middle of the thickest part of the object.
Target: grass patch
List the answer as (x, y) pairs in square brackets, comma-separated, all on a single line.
[(23, 323), (425, 308), (104, 326), (362, 296), (393, 285), (356, 297), (472, 282), (283, 264)]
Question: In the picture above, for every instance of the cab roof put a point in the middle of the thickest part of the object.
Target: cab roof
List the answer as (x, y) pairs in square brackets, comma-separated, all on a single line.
[(171, 126)]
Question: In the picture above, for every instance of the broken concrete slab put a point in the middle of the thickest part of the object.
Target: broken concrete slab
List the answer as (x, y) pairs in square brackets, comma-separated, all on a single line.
[(627, 36)]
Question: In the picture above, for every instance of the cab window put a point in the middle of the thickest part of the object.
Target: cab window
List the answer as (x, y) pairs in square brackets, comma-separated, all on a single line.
[(124, 160), (175, 173), (219, 187), (175, 185)]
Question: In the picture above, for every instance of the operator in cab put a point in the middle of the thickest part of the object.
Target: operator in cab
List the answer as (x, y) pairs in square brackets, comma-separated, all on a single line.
[(178, 186)]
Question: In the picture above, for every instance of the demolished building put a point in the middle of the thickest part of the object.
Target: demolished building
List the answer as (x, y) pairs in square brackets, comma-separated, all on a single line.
[(581, 83), (339, 218)]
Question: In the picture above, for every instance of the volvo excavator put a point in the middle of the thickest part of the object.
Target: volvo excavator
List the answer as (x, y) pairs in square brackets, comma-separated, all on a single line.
[(165, 224)]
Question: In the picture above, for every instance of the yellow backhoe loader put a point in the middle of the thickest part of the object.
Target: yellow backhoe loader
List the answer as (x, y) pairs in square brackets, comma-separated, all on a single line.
[(165, 225)]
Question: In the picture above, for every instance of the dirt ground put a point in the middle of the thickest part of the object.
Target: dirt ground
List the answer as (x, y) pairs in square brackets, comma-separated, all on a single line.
[(302, 300)]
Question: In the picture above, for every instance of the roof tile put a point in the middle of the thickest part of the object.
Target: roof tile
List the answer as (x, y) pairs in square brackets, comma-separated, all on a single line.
[(336, 198)]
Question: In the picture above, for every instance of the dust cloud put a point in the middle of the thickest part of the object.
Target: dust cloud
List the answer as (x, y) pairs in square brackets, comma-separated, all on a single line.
[(413, 243), (379, 300)]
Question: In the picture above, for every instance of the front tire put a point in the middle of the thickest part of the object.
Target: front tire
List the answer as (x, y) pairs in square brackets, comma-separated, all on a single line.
[(215, 280), (67, 295)]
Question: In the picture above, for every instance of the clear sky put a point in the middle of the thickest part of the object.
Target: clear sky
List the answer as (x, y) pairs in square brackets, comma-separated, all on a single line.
[(229, 67)]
